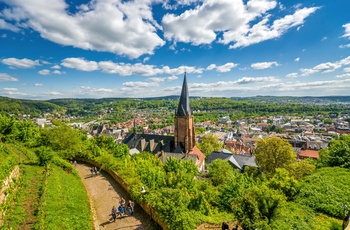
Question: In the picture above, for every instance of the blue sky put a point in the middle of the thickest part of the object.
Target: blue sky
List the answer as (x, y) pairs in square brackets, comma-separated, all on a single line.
[(141, 48)]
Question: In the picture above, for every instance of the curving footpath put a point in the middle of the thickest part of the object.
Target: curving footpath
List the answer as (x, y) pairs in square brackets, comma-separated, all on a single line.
[(104, 192)]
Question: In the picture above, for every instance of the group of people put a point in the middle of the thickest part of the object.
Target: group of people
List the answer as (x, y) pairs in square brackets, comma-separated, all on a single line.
[(123, 209), (93, 171)]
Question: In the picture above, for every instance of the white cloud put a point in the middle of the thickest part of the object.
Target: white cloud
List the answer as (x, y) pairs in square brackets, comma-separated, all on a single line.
[(38, 84), (140, 84), (124, 28), (80, 64), (7, 77), (268, 86), (156, 79), (344, 46), (345, 75), (7, 26), (57, 72), (44, 72), (262, 30), (24, 63), (241, 24), (223, 68), (326, 67), (297, 59), (56, 67), (347, 31), (226, 68), (98, 90), (292, 75), (264, 65), (172, 78), (211, 67), (346, 70), (144, 70), (247, 80), (10, 89), (53, 93)]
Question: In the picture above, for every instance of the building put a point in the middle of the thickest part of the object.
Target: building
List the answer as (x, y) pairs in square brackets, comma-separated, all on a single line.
[(181, 146), (235, 160)]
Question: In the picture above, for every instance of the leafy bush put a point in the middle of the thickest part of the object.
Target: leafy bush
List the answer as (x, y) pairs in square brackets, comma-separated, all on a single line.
[(326, 190), (7, 163)]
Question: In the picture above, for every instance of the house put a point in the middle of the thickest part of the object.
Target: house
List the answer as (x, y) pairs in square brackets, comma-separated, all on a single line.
[(236, 160), (308, 154)]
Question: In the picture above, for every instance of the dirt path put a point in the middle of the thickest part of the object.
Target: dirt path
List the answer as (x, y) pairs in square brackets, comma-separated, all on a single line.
[(104, 192)]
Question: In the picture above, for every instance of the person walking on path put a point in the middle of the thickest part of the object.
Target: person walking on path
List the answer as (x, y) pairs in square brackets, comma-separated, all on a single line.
[(114, 214), (121, 210), (92, 171), (130, 207)]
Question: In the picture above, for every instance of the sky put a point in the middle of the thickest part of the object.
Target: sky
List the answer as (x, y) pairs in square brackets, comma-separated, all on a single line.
[(142, 48)]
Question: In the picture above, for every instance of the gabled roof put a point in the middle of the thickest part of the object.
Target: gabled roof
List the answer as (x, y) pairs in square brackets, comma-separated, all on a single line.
[(183, 108), (151, 143), (237, 160)]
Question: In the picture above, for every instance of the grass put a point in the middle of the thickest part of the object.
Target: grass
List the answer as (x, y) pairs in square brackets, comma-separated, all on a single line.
[(65, 204), (22, 202)]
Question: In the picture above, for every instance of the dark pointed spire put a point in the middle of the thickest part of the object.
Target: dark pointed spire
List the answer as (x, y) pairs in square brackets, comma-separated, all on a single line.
[(184, 108)]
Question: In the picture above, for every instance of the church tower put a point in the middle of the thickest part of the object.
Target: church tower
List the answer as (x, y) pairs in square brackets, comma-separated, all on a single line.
[(184, 133)]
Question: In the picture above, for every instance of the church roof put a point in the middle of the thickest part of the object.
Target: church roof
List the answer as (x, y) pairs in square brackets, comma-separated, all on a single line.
[(184, 108)]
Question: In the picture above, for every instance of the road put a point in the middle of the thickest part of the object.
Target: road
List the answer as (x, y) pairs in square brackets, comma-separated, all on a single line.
[(104, 192)]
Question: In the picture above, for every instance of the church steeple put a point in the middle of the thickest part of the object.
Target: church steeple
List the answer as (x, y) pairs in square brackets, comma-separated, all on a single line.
[(184, 108), (184, 133)]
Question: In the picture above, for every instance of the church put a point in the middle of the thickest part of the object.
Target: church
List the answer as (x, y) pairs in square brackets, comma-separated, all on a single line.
[(181, 146)]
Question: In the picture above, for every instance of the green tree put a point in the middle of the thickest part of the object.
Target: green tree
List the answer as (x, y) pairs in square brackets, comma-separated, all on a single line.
[(281, 181), (63, 139), (300, 169), (6, 127), (338, 153), (257, 207), (26, 132), (209, 144), (272, 153), (219, 171), (45, 155)]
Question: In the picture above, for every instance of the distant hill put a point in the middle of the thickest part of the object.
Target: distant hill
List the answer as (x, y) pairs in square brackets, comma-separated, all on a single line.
[(91, 106), (304, 100), (33, 107)]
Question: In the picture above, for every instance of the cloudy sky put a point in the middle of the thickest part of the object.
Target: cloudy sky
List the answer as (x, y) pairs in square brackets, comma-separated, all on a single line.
[(141, 48)]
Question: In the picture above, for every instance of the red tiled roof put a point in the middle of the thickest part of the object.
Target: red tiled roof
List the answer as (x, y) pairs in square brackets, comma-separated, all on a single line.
[(199, 154), (309, 153)]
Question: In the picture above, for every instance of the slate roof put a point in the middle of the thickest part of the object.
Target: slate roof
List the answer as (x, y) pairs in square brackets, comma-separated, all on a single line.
[(236, 160), (184, 108), (151, 143)]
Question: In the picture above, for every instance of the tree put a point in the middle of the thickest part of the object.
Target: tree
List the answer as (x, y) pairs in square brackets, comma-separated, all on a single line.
[(272, 153), (281, 181), (301, 169), (338, 153), (63, 139), (220, 171), (209, 144), (257, 207)]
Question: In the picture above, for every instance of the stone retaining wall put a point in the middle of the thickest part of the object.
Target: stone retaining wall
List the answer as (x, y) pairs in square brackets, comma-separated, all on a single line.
[(5, 185)]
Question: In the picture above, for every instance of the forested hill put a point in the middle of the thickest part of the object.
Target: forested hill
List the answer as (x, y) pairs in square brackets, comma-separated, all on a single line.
[(259, 105), (32, 107), (303, 100)]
